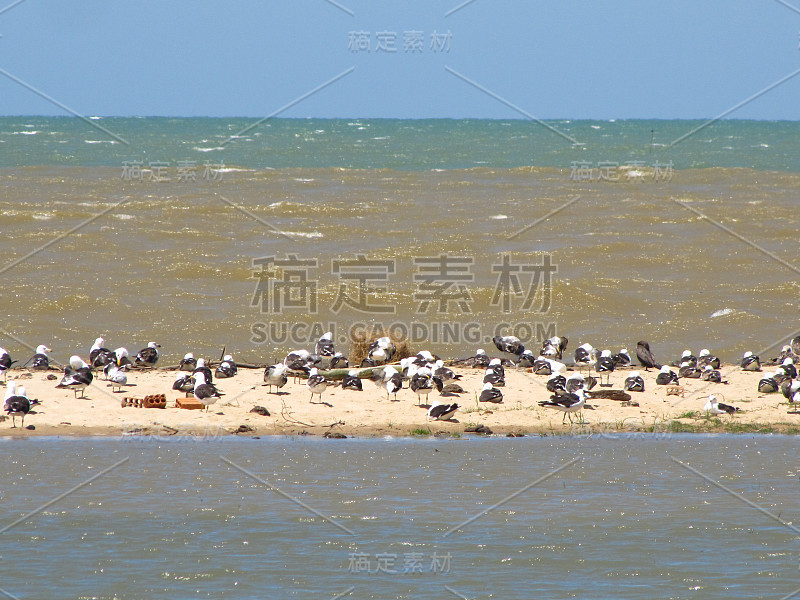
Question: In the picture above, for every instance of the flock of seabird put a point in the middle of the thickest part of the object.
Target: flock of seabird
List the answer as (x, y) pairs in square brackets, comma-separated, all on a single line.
[(424, 372)]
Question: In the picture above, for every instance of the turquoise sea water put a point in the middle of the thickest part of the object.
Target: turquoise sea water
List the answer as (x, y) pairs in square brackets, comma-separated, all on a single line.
[(397, 144), (680, 517)]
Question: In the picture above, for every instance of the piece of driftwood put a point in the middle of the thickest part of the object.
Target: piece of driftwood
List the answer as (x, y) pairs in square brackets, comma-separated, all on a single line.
[(618, 395)]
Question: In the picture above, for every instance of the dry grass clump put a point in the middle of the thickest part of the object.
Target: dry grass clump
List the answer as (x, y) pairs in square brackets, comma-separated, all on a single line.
[(362, 337)]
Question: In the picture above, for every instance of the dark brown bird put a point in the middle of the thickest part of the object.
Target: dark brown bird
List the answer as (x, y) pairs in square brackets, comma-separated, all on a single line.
[(646, 358)]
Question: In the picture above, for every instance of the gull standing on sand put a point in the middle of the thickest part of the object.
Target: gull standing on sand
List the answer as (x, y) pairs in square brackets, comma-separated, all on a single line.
[(205, 393), (17, 405), (390, 379), (605, 364), (275, 375), (148, 357), (123, 362), (5, 363), (77, 376), (118, 378), (324, 349), (99, 356), (316, 384), (202, 368), (41, 361), (791, 390), (585, 355), (566, 403), (422, 384)]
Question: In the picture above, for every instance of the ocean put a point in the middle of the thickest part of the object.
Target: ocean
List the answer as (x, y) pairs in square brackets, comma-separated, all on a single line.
[(615, 516), (203, 233)]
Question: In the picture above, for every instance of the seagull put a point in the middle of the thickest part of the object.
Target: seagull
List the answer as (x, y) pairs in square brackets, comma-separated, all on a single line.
[(324, 349), (556, 383), (490, 394), (41, 362), (566, 403), (100, 356), (495, 374), (122, 360), (788, 366), (509, 344), (781, 375), (205, 393), (299, 363), (622, 358), (17, 405), (706, 358), (634, 382), (392, 381), (768, 384), (585, 355), (5, 363), (442, 412), (316, 384), (526, 359), (227, 368), (188, 362), (715, 407), (352, 381), (750, 362), (479, 361), (786, 352), (575, 382), (275, 375), (184, 382), (338, 361), (422, 384), (77, 376), (605, 364), (645, 356), (554, 347), (667, 376), (687, 358), (709, 373), (791, 391), (689, 371), (439, 370), (381, 350), (148, 357), (117, 378), (202, 368)]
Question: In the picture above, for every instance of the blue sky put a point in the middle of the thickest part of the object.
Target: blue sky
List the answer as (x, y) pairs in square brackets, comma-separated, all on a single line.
[(557, 59)]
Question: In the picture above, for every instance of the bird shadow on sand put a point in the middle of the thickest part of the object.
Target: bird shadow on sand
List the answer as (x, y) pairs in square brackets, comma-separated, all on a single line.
[(322, 402)]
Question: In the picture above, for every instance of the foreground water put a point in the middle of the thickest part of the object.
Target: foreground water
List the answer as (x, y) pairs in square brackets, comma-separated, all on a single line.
[(380, 518)]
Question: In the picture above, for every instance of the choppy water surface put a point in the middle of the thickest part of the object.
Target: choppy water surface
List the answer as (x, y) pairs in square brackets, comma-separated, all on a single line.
[(156, 240), (376, 517)]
